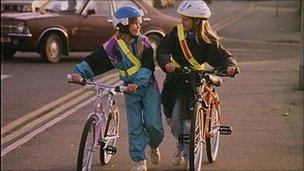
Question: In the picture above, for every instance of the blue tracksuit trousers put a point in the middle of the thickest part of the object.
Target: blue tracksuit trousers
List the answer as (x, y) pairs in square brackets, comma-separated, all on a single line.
[(144, 121)]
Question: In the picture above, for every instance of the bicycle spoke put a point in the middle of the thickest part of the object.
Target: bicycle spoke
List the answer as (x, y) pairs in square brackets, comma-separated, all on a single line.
[(109, 141), (213, 141), (198, 156)]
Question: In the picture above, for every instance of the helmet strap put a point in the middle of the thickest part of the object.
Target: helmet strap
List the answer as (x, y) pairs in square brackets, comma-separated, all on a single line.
[(197, 21)]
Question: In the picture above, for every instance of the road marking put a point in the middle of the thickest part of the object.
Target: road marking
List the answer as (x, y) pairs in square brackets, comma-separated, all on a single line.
[(32, 124), (224, 23), (4, 76), (23, 129), (14, 124), (39, 130), (29, 136), (246, 50), (291, 43)]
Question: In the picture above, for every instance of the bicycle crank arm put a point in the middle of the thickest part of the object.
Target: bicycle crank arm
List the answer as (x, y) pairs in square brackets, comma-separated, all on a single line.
[(225, 130)]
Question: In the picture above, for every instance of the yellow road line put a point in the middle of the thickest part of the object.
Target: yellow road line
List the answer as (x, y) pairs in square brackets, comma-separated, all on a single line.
[(29, 136), (35, 122), (49, 106), (224, 23)]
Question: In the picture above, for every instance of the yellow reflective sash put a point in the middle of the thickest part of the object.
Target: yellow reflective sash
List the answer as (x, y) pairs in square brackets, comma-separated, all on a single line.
[(137, 64), (186, 51)]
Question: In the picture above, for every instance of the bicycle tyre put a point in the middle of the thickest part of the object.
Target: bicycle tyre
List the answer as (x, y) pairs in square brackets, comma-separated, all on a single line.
[(83, 162), (112, 128), (196, 141), (212, 142)]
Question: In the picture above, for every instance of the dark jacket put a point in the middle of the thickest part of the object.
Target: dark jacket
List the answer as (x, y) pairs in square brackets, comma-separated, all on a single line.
[(174, 85)]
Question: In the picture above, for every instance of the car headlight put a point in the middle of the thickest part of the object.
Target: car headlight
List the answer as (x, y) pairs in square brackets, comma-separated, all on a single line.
[(20, 27)]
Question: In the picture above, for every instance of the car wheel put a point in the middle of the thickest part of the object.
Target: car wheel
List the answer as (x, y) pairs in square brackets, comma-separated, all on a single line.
[(51, 49), (8, 53)]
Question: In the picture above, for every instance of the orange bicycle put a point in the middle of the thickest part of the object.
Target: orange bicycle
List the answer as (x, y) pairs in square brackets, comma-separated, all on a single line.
[(206, 124)]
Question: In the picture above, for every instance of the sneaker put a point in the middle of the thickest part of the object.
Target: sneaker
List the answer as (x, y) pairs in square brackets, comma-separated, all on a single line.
[(178, 158), (154, 155), (140, 165)]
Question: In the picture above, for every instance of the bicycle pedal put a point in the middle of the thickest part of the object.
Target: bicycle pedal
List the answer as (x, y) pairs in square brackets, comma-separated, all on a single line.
[(111, 150), (225, 130), (184, 138)]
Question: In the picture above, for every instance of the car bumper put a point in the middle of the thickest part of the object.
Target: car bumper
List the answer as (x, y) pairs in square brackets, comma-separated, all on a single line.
[(20, 42)]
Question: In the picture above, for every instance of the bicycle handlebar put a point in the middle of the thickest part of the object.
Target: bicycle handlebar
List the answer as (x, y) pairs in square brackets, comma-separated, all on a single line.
[(84, 81), (217, 72)]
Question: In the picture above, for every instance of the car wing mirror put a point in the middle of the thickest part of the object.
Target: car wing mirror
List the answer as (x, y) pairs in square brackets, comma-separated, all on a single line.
[(91, 11)]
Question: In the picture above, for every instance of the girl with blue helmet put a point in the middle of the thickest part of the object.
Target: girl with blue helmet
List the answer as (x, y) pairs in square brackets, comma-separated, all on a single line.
[(131, 53)]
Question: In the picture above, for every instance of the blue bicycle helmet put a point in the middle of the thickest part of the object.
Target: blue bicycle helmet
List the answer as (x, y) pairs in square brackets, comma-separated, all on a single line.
[(123, 14)]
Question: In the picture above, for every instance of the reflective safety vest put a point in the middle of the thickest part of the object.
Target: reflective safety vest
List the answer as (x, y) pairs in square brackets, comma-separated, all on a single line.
[(136, 63), (186, 51)]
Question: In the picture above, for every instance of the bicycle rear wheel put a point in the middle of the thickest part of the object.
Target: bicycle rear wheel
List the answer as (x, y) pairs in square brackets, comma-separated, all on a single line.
[(212, 141), (196, 138), (108, 147), (86, 146)]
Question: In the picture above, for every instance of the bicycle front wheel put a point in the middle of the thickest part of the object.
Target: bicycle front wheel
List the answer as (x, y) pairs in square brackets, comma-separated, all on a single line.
[(212, 141), (108, 146), (86, 146), (196, 138)]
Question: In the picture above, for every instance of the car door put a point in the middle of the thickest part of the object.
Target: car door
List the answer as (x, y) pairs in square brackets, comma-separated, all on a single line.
[(96, 28)]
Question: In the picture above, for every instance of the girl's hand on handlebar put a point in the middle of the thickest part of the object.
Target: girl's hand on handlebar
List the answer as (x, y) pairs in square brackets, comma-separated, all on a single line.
[(76, 78), (232, 71), (131, 88), (170, 67)]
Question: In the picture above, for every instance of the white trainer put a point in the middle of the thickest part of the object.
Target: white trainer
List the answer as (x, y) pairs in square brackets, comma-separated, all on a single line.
[(178, 158), (139, 166), (154, 155)]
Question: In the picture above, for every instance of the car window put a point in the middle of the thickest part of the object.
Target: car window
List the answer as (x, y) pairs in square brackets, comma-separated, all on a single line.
[(102, 8), (68, 6), (118, 4)]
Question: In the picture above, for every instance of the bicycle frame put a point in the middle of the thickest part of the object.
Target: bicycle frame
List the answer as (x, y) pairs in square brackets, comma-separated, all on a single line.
[(205, 94), (206, 122), (102, 114), (212, 100), (103, 120)]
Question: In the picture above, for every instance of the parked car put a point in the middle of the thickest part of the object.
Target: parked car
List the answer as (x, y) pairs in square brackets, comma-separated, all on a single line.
[(18, 6), (56, 29)]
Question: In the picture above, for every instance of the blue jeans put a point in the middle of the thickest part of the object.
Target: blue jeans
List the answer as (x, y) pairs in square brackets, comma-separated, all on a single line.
[(144, 121), (179, 126)]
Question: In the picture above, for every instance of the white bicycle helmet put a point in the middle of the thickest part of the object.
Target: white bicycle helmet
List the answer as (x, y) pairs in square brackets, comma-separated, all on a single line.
[(194, 9)]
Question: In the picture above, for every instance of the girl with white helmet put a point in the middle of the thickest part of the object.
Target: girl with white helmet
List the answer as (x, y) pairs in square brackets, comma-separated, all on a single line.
[(190, 44), (131, 53)]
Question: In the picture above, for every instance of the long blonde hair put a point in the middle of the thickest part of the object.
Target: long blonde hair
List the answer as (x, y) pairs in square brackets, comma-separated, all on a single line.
[(206, 33)]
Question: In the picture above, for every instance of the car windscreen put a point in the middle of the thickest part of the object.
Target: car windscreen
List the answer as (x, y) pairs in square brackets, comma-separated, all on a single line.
[(67, 6)]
